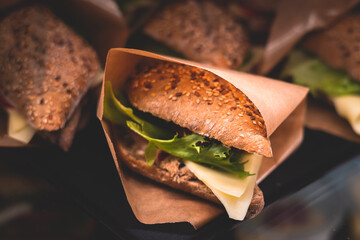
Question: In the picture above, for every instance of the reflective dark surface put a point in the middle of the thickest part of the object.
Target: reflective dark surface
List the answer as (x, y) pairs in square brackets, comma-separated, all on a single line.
[(326, 209)]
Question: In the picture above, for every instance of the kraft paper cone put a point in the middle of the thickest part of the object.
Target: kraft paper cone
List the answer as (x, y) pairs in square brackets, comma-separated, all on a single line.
[(100, 18), (294, 19), (282, 106)]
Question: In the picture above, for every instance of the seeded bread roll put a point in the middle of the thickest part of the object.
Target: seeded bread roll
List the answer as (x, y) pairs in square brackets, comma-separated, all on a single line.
[(339, 45), (171, 171), (201, 102), (65, 136), (45, 67), (201, 31)]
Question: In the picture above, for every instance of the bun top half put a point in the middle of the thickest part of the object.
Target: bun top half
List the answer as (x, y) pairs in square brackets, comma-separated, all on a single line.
[(200, 101), (201, 31)]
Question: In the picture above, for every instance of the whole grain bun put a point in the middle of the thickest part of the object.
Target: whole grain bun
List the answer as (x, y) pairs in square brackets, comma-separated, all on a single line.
[(200, 101), (45, 67), (201, 31), (130, 149), (339, 45)]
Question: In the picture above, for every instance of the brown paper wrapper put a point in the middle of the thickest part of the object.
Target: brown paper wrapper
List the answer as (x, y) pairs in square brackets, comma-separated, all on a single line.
[(321, 117), (282, 106), (101, 19), (294, 19)]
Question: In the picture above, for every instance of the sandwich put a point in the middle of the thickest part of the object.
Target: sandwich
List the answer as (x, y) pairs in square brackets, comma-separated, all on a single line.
[(201, 31), (189, 129), (46, 71), (329, 64)]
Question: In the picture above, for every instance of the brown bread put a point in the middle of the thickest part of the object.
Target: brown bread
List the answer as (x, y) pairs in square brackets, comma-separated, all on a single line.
[(201, 31), (201, 102)]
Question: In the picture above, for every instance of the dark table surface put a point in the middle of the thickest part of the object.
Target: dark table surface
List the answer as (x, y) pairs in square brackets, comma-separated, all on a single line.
[(87, 173), (328, 209)]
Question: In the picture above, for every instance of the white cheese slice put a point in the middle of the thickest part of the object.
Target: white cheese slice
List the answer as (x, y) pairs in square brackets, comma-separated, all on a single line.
[(226, 182), (234, 193), (236, 207), (349, 107), (18, 128)]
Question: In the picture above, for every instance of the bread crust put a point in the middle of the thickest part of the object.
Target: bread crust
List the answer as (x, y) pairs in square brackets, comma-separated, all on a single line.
[(199, 101), (201, 31), (170, 171), (45, 67), (339, 45)]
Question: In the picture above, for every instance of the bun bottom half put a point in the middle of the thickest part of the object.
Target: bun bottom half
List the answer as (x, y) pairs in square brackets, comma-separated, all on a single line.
[(171, 171)]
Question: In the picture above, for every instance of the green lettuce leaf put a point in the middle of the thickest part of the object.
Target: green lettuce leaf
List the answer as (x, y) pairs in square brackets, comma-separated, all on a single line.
[(150, 153), (193, 147), (252, 59), (118, 113), (190, 147), (319, 77)]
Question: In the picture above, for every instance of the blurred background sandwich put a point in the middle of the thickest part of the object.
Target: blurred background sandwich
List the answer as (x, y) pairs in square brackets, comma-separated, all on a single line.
[(329, 64), (46, 71), (226, 34)]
